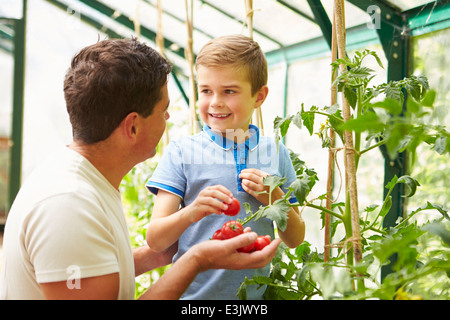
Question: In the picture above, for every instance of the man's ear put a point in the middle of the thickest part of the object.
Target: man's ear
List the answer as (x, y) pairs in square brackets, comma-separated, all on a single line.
[(129, 125), (261, 96)]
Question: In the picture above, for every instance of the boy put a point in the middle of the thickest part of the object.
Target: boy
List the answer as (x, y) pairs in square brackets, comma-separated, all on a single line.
[(229, 158)]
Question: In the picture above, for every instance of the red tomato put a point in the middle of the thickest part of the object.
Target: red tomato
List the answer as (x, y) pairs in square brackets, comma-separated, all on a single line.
[(233, 208), (248, 248), (261, 242), (217, 235), (231, 229)]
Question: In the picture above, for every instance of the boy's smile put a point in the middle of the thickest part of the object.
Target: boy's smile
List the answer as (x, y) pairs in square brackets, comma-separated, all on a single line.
[(225, 99), (219, 115)]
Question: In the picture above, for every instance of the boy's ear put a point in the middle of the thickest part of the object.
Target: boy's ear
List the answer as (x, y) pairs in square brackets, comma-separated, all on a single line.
[(261, 95)]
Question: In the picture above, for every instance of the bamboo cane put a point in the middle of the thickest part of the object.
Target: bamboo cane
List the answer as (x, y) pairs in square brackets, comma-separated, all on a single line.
[(249, 20), (249, 16), (350, 167), (190, 58), (159, 40), (136, 21), (331, 154)]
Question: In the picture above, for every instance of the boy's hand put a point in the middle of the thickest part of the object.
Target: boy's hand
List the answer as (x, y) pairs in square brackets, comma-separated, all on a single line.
[(213, 199), (252, 182)]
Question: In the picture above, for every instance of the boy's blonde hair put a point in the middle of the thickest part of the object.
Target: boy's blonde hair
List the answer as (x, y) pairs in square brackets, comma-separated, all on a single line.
[(236, 51)]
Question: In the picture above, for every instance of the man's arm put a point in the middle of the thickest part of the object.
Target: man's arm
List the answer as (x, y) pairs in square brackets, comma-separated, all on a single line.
[(146, 259), (213, 254), (94, 288)]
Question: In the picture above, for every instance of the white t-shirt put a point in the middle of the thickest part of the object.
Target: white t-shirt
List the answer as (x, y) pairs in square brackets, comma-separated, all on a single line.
[(66, 223)]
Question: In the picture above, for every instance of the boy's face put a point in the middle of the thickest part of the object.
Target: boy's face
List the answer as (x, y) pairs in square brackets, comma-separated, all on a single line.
[(225, 100)]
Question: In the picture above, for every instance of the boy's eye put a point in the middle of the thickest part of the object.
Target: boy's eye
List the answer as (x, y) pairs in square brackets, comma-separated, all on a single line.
[(205, 91), (229, 91)]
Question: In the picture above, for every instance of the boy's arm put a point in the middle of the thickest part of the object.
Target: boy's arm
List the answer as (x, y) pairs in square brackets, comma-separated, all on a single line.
[(168, 222), (252, 182)]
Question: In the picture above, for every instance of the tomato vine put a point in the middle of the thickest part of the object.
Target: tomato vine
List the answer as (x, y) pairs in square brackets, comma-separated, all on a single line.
[(397, 123)]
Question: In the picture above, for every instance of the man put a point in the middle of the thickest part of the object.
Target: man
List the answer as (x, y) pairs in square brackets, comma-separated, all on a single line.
[(66, 235)]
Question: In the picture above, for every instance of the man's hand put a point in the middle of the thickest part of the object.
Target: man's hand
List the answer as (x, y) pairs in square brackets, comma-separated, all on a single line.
[(223, 254)]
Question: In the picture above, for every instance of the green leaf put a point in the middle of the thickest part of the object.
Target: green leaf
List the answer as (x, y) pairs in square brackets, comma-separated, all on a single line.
[(278, 213), (282, 124), (422, 80), (438, 229), (308, 120), (386, 206), (411, 183), (242, 291), (303, 185), (393, 91), (374, 54), (360, 72), (304, 281), (428, 99), (431, 206), (440, 145), (297, 120), (273, 182), (351, 97), (413, 87), (366, 122), (391, 184), (412, 105), (392, 106)]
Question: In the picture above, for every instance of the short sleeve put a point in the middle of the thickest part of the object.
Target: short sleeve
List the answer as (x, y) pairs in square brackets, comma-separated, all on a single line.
[(169, 174), (70, 232)]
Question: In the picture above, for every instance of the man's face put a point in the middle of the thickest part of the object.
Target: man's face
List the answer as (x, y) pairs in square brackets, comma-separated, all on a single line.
[(154, 125)]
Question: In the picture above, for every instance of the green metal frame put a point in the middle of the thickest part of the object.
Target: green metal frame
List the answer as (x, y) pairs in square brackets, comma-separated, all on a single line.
[(15, 167), (126, 22)]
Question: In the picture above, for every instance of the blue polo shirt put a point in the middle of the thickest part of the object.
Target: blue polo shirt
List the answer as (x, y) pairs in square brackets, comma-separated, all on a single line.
[(192, 163)]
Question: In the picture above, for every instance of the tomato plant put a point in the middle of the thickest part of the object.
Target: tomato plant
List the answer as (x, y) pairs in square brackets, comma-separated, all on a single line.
[(397, 124)]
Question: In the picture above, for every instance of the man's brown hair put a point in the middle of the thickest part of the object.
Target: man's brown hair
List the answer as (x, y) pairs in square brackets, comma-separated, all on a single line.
[(236, 51), (107, 81)]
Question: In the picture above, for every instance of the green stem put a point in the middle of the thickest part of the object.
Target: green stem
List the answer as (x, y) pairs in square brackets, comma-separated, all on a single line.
[(334, 214), (347, 220), (380, 143), (357, 146), (326, 114)]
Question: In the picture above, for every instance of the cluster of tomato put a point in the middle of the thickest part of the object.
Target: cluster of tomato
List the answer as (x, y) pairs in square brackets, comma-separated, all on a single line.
[(231, 229)]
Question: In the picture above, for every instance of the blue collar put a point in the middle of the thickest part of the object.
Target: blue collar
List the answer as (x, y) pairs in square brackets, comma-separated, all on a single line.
[(226, 144)]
